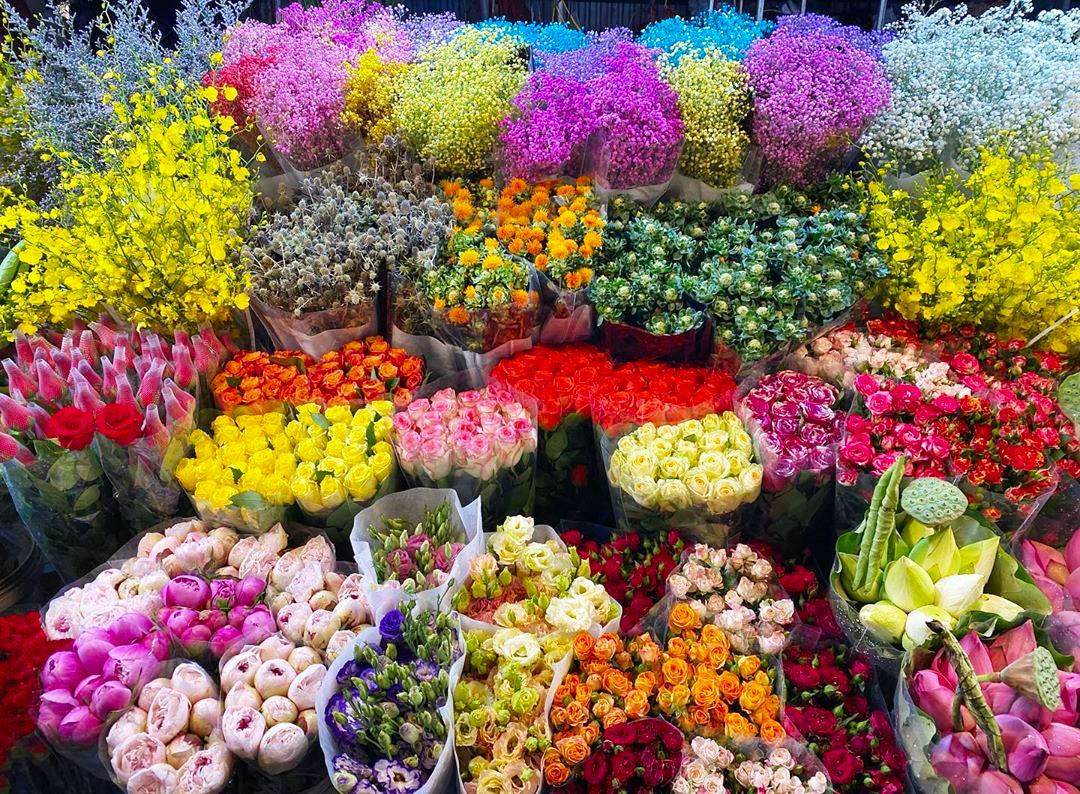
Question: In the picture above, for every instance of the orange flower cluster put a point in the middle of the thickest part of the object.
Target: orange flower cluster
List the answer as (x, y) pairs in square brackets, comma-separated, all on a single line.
[(360, 372), (694, 682)]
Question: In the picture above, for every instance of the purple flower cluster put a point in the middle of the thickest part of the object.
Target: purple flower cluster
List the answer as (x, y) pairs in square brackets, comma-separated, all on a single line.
[(423, 30), (622, 126), (585, 63), (869, 42), (792, 418), (814, 95)]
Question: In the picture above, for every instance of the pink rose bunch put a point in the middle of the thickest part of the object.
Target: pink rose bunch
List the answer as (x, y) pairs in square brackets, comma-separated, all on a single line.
[(171, 740), (476, 432), (102, 673), (737, 590), (1042, 747), (793, 420), (270, 690)]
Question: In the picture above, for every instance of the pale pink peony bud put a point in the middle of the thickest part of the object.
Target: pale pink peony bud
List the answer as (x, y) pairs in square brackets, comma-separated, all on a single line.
[(274, 677), (308, 719), (305, 687), (276, 647), (243, 695), (158, 779), (206, 772), (319, 628), (130, 723), (137, 752), (149, 692), (180, 749), (243, 729), (206, 716), (338, 642), (168, 715), (278, 709), (282, 748), (240, 669), (302, 658), (193, 682), (239, 552), (292, 619)]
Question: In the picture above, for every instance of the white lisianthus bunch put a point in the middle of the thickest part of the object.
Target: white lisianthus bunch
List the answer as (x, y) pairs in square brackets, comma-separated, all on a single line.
[(706, 463), (959, 81)]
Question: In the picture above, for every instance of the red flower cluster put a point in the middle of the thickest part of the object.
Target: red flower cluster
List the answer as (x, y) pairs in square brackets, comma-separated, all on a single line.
[(74, 429), (804, 589), (633, 757), (563, 380), (23, 650), (361, 371), (633, 568), (828, 707), (241, 75)]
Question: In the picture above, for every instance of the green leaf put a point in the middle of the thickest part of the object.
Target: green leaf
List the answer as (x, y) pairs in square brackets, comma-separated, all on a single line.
[(321, 475), (289, 361), (87, 499), (252, 500), (372, 440), (62, 474), (556, 444), (319, 419), (10, 266), (232, 380), (392, 384)]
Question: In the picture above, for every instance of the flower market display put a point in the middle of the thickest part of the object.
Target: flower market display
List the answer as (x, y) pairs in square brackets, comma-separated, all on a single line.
[(402, 405)]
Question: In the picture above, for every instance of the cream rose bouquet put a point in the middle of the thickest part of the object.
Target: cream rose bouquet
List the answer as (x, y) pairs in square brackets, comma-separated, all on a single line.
[(692, 475)]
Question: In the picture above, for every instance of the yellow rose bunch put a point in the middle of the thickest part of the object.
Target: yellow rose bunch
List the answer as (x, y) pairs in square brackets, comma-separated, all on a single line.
[(342, 455), (706, 463), (152, 232), (999, 250)]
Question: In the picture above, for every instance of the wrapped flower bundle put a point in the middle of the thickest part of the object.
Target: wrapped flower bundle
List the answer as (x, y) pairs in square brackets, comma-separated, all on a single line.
[(632, 567), (480, 442), (361, 371), (890, 347), (563, 381), (269, 708), (724, 29), (532, 584), (638, 756), (370, 747), (692, 475), (25, 647), (503, 687), (739, 592), (419, 557), (172, 739), (213, 616), (815, 94), (708, 766)]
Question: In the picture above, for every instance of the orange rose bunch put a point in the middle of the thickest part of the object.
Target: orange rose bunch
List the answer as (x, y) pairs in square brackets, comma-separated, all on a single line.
[(360, 372)]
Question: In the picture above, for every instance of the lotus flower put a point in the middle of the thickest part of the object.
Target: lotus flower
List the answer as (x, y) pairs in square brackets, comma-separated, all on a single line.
[(1046, 561), (1046, 785), (1072, 552), (933, 694), (1000, 697), (1011, 645), (1063, 742), (1025, 748), (885, 620), (958, 759)]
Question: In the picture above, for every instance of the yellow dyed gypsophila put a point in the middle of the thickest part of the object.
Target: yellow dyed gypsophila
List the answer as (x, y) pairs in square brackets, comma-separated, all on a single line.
[(151, 232), (340, 455), (999, 250), (369, 95), (706, 463)]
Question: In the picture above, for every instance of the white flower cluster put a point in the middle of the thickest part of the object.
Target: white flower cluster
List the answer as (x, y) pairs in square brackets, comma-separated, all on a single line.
[(707, 764), (959, 81)]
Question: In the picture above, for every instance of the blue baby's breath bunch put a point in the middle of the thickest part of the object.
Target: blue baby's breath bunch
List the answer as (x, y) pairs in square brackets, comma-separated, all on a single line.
[(541, 37), (959, 82), (725, 29), (63, 70)]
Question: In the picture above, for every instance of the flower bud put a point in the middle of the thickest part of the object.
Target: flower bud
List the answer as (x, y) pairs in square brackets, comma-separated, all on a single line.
[(273, 678), (243, 695), (278, 709), (885, 620), (907, 585)]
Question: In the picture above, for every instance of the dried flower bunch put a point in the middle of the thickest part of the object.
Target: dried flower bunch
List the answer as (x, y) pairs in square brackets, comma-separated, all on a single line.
[(348, 225)]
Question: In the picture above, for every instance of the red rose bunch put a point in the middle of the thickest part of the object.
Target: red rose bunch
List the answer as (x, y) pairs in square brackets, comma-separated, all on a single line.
[(632, 567), (653, 391), (74, 429), (360, 372), (828, 707), (633, 757), (23, 650)]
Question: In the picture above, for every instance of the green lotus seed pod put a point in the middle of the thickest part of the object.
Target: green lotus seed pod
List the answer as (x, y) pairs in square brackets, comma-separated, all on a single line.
[(1069, 396), (932, 501)]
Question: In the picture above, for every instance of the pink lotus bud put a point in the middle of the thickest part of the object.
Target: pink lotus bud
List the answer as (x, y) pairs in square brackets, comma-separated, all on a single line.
[(257, 627), (88, 347), (109, 697), (292, 620), (206, 716), (273, 678), (20, 380), (1046, 785), (85, 688), (186, 591), (62, 670), (109, 378), (278, 709), (958, 759), (302, 658), (1063, 742), (24, 355), (1072, 588), (149, 692), (180, 749), (196, 638), (14, 414), (105, 333), (1030, 712), (225, 638), (999, 697), (92, 647), (249, 590), (128, 724), (1025, 748), (184, 371), (1011, 645), (150, 387), (168, 715), (282, 747), (79, 727), (130, 628), (1044, 560), (275, 647), (995, 782), (305, 687), (135, 754), (179, 405), (61, 362), (205, 359), (10, 449), (193, 682), (932, 693), (131, 665), (53, 707), (243, 729), (50, 386), (1054, 592), (83, 395), (1072, 552), (243, 695)]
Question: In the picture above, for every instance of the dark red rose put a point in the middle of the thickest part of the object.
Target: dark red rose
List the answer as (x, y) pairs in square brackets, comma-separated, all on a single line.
[(841, 765), (646, 731), (572, 537), (879, 722), (892, 787), (794, 716), (855, 704), (624, 733), (892, 755), (653, 772), (640, 603), (671, 737), (596, 768), (120, 422), (860, 667), (612, 568), (802, 676), (624, 765), (798, 581), (835, 677), (859, 744), (70, 428), (819, 721)]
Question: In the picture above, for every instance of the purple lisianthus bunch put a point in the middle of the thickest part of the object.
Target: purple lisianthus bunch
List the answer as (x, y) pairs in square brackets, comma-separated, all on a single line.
[(869, 42), (622, 125), (814, 95), (793, 419)]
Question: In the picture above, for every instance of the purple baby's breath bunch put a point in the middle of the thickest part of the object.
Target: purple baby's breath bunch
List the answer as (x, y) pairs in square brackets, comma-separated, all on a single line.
[(588, 62), (869, 41), (814, 95), (623, 124), (425, 30)]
